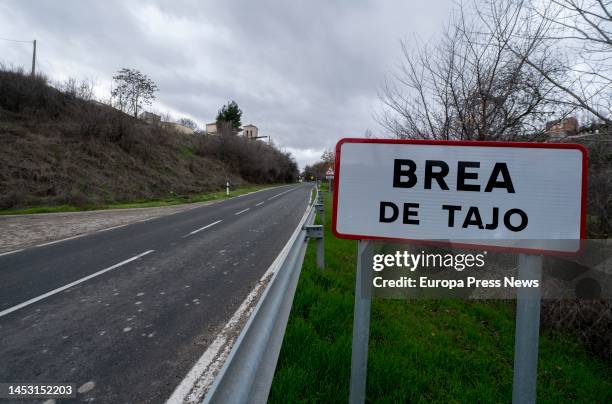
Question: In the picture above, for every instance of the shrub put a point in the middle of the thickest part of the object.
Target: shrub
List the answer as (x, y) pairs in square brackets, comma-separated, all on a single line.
[(20, 93), (253, 160)]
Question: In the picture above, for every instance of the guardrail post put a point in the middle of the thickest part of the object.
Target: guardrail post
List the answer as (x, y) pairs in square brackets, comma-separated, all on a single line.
[(316, 232), (321, 211)]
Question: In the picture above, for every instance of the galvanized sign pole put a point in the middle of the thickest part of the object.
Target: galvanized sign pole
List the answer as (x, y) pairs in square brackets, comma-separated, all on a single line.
[(361, 322), (527, 334)]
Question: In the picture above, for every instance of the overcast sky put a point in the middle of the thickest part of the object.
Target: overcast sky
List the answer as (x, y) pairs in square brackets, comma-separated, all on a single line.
[(305, 72)]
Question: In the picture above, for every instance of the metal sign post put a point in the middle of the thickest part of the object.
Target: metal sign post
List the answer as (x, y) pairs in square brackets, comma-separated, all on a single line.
[(361, 322), (329, 175), (527, 334)]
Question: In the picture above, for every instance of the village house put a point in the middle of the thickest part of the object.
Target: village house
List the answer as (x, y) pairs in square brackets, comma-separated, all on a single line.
[(561, 128), (211, 128), (250, 131), (154, 119)]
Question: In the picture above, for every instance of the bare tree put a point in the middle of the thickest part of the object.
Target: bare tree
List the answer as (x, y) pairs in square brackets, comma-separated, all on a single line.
[(579, 31), (132, 90), (189, 123), (468, 85), (328, 157), (81, 89), (600, 185)]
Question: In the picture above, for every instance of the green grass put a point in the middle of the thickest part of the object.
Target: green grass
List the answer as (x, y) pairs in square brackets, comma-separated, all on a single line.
[(151, 203), (419, 350), (186, 151)]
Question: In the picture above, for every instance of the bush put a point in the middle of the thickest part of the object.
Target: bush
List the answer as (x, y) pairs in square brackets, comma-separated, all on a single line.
[(590, 321), (253, 160), (23, 94)]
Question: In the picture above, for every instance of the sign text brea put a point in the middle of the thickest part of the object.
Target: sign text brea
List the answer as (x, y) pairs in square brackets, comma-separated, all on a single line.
[(467, 179)]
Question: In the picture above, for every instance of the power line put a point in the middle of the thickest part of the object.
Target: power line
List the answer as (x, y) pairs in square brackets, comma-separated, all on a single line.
[(15, 40), (33, 42)]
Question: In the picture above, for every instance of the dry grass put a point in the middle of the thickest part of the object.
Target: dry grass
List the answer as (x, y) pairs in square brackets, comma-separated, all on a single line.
[(59, 149)]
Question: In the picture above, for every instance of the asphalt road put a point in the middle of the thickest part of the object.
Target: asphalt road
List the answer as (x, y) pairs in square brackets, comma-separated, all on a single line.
[(157, 294)]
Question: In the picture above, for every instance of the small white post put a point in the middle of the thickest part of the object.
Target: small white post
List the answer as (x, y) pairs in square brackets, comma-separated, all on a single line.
[(227, 188), (527, 334), (361, 322)]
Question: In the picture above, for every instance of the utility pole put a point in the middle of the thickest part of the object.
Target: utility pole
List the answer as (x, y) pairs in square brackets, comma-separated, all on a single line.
[(34, 59)]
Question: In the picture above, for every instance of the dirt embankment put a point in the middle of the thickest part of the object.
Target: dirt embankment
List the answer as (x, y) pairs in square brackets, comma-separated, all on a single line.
[(57, 148)]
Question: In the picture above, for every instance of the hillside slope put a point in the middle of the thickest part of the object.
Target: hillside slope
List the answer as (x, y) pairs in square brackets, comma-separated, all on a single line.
[(59, 149)]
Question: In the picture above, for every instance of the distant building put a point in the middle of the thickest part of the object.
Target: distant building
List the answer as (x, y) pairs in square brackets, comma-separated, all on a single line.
[(562, 127), (177, 127), (154, 119), (250, 131), (150, 117), (211, 128)]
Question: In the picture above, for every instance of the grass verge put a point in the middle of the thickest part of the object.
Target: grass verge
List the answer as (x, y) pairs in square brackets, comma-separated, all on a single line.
[(419, 350), (151, 203)]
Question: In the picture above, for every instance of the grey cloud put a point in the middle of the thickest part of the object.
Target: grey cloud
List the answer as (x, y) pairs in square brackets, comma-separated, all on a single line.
[(306, 72)]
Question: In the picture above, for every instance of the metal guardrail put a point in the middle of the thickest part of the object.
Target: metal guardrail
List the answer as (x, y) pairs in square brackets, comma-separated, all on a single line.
[(246, 376)]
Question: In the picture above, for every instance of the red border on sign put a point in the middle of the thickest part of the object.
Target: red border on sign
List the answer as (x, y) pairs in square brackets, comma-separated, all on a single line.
[(573, 146)]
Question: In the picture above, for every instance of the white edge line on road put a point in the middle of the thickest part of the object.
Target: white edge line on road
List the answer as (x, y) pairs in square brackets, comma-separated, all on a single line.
[(11, 252), (264, 189), (113, 228), (204, 228), (201, 376), (259, 204), (62, 239), (254, 192), (282, 193), (71, 284), (242, 211)]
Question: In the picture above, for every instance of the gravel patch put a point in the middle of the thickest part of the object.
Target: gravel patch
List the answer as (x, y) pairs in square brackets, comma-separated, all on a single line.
[(22, 231)]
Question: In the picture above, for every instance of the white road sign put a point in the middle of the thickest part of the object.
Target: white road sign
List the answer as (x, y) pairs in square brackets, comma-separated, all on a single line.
[(329, 174), (526, 197)]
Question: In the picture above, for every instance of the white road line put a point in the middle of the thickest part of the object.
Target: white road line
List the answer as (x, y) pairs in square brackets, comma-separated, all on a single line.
[(60, 240), (113, 228), (204, 228), (282, 193), (71, 284), (242, 211), (11, 252), (259, 204)]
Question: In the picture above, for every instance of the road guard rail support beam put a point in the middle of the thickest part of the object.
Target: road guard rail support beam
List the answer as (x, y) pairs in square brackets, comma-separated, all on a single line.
[(247, 373)]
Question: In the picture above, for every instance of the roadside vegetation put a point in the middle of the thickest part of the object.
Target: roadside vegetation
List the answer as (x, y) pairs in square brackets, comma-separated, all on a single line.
[(63, 148), (419, 350), (152, 203)]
